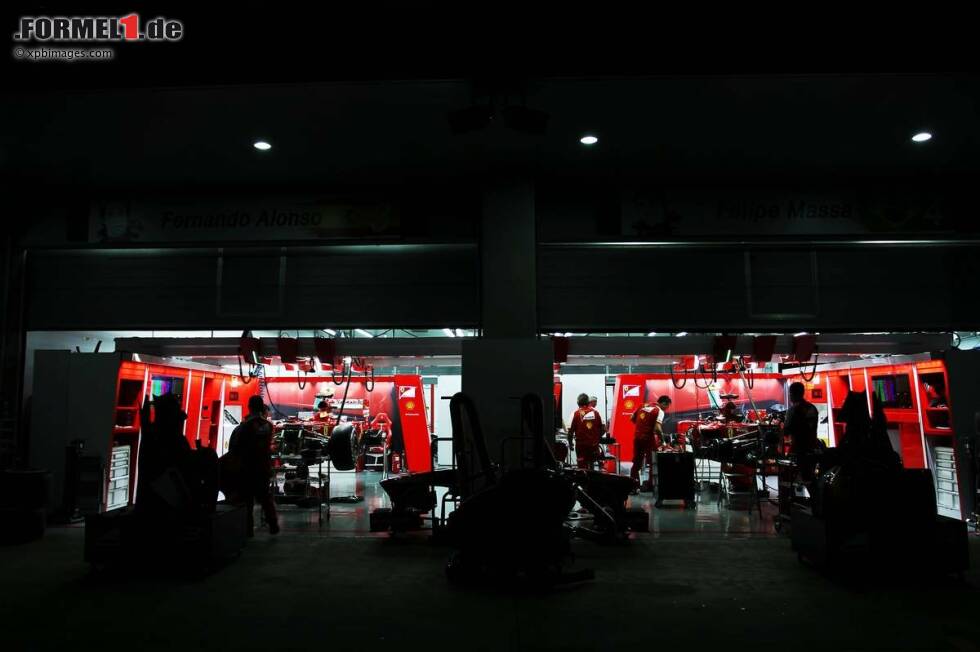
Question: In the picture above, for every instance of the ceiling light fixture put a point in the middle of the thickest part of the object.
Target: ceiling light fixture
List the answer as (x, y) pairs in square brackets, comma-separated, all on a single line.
[(682, 334), (329, 331), (922, 137), (588, 139), (651, 334), (449, 332), (262, 145)]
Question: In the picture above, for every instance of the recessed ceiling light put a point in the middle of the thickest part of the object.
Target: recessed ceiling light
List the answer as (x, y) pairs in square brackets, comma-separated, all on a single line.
[(922, 137), (261, 145), (588, 139)]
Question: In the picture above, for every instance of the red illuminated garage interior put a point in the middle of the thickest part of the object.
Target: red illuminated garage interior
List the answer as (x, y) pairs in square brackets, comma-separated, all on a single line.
[(88, 405)]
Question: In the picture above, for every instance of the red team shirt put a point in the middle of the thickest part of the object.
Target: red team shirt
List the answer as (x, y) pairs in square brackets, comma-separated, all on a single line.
[(586, 426), (646, 419)]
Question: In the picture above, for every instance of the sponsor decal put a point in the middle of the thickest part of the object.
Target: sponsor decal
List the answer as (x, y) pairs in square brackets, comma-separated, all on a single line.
[(406, 391), (631, 390)]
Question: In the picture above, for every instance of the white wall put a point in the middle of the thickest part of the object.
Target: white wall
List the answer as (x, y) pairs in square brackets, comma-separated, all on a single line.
[(445, 386), (575, 384)]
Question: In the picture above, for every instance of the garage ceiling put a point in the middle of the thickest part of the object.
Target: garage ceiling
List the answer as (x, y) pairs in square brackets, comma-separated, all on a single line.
[(338, 134), (354, 97)]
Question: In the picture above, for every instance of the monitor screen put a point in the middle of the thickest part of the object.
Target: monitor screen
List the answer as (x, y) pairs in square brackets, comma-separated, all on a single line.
[(893, 391), (161, 385)]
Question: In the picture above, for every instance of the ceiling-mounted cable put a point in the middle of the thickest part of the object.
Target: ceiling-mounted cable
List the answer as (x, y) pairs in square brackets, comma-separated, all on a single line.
[(747, 372), (264, 391), (699, 371), (333, 371), (673, 381), (369, 378), (813, 374)]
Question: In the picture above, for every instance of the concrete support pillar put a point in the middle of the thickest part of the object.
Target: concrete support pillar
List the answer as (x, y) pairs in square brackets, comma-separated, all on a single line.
[(510, 359), (508, 256)]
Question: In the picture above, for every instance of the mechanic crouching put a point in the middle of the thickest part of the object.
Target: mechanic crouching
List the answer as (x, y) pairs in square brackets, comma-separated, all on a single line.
[(587, 430)]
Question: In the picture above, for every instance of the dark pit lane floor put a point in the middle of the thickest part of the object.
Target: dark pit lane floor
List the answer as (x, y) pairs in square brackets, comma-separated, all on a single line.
[(707, 579)]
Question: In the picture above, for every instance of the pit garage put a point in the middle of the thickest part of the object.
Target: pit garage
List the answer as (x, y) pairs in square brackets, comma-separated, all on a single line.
[(359, 418)]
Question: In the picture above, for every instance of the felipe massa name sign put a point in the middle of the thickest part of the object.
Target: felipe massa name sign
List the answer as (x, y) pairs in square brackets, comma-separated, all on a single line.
[(213, 221), (684, 214)]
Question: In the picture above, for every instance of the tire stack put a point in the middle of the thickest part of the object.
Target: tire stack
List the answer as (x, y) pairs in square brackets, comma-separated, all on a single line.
[(23, 505)]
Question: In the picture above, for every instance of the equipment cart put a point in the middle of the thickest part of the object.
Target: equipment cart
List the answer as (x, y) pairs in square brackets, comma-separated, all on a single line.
[(675, 478)]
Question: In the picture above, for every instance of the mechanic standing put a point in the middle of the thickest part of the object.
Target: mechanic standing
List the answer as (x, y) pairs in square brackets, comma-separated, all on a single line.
[(801, 426), (647, 437), (587, 429), (250, 443)]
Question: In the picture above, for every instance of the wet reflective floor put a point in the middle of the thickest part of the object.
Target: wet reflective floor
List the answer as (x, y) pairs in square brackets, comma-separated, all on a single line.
[(710, 578), (710, 517)]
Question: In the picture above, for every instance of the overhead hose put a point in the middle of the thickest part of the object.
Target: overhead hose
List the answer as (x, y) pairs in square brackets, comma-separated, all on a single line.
[(700, 371), (264, 391), (241, 371), (813, 373), (749, 373), (333, 372), (673, 380), (343, 401), (369, 378)]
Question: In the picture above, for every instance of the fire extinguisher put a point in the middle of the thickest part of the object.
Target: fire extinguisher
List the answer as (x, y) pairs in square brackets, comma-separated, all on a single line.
[(396, 463)]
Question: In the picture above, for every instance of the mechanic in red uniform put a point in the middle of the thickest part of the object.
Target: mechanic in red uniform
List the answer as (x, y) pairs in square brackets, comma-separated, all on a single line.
[(587, 429), (647, 436), (323, 412)]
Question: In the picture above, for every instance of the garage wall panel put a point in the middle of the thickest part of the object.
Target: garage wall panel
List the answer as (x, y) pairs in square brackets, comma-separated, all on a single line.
[(891, 288), (237, 288), (620, 288), (68, 290), (371, 287), (854, 287)]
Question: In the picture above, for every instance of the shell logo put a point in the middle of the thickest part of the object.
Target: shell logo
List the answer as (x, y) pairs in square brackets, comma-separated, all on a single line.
[(409, 405), (628, 404)]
